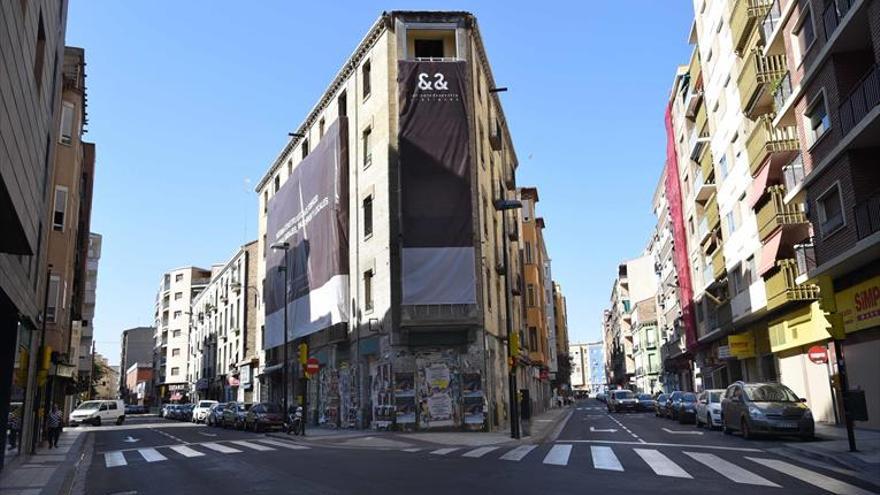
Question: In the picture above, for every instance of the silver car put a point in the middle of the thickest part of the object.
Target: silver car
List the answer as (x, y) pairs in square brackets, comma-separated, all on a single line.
[(766, 409), (709, 408)]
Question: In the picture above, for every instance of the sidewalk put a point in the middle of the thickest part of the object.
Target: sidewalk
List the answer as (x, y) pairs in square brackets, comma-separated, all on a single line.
[(544, 426), (48, 471), (832, 447)]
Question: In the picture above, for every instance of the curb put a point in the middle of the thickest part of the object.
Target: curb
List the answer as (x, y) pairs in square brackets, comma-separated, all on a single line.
[(828, 462), (831, 458)]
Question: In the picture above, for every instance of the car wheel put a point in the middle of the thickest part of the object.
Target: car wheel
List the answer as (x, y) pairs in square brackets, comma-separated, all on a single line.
[(744, 428), (709, 421), (120, 420), (809, 437), (724, 428), (97, 421)]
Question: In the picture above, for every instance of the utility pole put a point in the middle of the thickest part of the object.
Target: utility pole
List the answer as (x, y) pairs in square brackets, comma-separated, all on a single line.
[(284, 371), (503, 205)]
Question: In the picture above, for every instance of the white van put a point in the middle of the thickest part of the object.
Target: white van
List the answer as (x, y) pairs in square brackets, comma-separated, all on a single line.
[(200, 412), (97, 412)]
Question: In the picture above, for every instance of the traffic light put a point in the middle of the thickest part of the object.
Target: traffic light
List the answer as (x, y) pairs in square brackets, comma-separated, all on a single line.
[(46, 358), (303, 353), (22, 371), (514, 345)]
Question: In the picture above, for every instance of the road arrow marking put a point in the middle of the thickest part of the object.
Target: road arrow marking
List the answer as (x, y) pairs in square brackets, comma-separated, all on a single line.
[(593, 429), (130, 439), (682, 432)]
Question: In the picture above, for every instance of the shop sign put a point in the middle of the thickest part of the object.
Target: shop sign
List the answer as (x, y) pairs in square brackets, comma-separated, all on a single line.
[(742, 346), (178, 387), (724, 352), (818, 354), (245, 376), (859, 305)]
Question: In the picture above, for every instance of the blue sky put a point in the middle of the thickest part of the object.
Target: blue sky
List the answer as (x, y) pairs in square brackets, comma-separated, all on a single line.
[(189, 100)]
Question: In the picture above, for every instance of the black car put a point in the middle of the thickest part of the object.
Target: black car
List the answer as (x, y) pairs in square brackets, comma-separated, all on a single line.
[(686, 408), (660, 405), (646, 402), (234, 415)]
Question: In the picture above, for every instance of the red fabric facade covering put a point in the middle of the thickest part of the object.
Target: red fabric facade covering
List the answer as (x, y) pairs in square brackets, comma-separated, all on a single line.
[(679, 236)]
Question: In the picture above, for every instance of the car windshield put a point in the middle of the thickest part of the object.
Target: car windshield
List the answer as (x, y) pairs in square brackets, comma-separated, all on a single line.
[(205, 403), (271, 408), (92, 404), (646, 397), (770, 393), (689, 398), (623, 394), (714, 397), (662, 397)]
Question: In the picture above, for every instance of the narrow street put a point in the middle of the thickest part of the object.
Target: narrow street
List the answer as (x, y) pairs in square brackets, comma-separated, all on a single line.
[(629, 453)]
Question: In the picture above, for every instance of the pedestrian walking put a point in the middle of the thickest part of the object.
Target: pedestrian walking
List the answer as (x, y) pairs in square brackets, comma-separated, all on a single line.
[(14, 427), (54, 424)]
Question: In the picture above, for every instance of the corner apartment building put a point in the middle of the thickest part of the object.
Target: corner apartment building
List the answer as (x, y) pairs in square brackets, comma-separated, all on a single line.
[(826, 93), (414, 148), (136, 349), (587, 367), (635, 283), (177, 289), (222, 339), (89, 291), (32, 52)]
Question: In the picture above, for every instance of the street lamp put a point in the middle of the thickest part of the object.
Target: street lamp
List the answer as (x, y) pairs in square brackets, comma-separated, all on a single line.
[(503, 205), (286, 248)]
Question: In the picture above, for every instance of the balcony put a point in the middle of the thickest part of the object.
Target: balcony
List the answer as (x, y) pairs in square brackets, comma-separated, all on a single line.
[(703, 230), (805, 257), (704, 181), (772, 20), (782, 287), (776, 214), (743, 17), (768, 141), (782, 92), (719, 271), (867, 214), (793, 173), (860, 101), (711, 213), (834, 12), (758, 74)]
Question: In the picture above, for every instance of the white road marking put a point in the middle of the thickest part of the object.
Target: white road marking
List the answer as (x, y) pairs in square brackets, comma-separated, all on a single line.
[(480, 452), (171, 437), (223, 449), (824, 482), (186, 451), (444, 451), (558, 455), (113, 459), (518, 453), (152, 455), (649, 444), (661, 464), (251, 445), (625, 428), (282, 443), (593, 429), (414, 449), (604, 458), (682, 432), (729, 470)]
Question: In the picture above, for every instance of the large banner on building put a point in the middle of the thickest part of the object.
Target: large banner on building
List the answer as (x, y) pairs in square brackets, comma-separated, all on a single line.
[(435, 178), (310, 213)]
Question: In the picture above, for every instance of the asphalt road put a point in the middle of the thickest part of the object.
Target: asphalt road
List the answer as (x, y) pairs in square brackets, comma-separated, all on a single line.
[(623, 453)]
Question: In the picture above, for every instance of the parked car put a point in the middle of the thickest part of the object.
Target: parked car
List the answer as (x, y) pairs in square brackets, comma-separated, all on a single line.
[(97, 411), (215, 414), (622, 400), (187, 412), (709, 408), (646, 402), (686, 408), (672, 401), (200, 411), (164, 412), (234, 414), (765, 408), (600, 397), (263, 416), (660, 405)]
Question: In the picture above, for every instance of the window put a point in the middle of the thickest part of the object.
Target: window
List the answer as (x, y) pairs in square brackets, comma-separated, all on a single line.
[(277, 184), (699, 306), (722, 166), (341, 104), (175, 333), (533, 339), (60, 211), (731, 223), (531, 295), (178, 314), (748, 272), (365, 75), (321, 128), (265, 201), (175, 352), (691, 225), (485, 216), (368, 290), (175, 371), (817, 117), (178, 277), (528, 252), (305, 148), (368, 152), (39, 53), (178, 296), (52, 302), (368, 217), (429, 48), (488, 290), (67, 112), (804, 35), (830, 208), (736, 280), (289, 168)]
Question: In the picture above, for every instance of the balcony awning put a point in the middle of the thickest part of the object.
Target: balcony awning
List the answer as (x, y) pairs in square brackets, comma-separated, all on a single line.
[(759, 185), (769, 252)]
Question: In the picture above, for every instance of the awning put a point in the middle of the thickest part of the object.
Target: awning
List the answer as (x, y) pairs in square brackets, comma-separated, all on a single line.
[(271, 369), (759, 185), (769, 252)]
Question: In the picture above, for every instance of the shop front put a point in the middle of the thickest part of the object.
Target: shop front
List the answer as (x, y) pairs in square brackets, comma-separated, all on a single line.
[(859, 307)]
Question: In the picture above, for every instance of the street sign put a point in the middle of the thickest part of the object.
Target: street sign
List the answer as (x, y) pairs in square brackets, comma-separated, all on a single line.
[(818, 354), (312, 366)]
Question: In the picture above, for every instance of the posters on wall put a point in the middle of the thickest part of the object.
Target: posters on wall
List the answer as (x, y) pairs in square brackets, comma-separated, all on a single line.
[(382, 395), (436, 389), (472, 400), (404, 398)]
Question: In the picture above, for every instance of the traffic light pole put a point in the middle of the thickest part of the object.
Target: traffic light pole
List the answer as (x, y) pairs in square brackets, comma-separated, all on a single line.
[(284, 352), (512, 359)]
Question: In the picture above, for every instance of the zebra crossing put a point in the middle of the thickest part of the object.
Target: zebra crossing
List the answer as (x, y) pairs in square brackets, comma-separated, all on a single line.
[(120, 458), (666, 463)]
